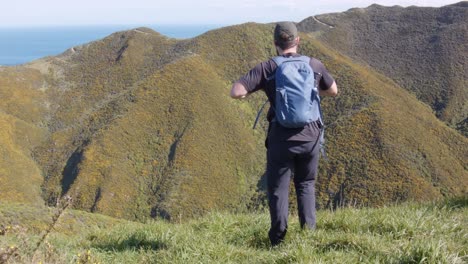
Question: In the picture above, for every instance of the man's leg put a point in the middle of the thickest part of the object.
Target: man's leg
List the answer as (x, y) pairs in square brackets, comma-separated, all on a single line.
[(278, 178), (306, 165)]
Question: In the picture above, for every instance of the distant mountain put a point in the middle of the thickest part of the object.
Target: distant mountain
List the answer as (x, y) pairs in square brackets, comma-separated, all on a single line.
[(138, 125), (460, 4), (423, 49), (133, 125)]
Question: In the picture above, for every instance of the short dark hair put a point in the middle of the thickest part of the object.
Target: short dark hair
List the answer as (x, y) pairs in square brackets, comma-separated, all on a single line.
[(285, 35)]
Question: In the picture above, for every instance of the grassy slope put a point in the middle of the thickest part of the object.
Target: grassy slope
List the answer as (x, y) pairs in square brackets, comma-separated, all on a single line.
[(409, 233), (428, 58)]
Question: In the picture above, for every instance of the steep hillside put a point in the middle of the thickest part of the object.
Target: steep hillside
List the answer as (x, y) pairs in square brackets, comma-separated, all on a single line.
[(22, 111), (138, 125), (129, 135), (384, 145), (423, 49), (173, 145)]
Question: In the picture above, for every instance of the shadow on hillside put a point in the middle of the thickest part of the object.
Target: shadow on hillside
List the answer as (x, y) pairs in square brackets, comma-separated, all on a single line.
[(131, 243), (70, 172)]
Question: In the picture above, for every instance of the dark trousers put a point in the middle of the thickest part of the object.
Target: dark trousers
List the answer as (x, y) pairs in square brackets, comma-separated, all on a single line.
[(283, 157)]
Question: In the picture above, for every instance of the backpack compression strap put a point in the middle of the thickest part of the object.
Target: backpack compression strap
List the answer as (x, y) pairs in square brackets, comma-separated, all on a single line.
[(280, 59)]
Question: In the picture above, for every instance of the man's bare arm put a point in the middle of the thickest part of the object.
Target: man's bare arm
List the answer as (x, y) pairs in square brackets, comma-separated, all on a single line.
[(332, 91), (238, 91)]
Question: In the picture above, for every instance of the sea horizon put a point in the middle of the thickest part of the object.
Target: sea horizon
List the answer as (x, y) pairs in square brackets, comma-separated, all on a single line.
[(23, 44)]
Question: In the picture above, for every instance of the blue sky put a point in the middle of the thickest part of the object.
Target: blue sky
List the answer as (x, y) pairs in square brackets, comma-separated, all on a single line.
[(140, 12)]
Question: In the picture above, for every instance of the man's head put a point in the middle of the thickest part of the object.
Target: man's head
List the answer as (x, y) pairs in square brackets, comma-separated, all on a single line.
[(286, 35)]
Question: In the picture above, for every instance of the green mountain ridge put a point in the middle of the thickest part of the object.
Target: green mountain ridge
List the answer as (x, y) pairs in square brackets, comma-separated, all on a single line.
[(423, 49), (139, 125)]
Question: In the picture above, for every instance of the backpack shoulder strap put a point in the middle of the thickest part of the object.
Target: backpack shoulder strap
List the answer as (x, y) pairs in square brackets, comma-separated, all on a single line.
[(279, 60)]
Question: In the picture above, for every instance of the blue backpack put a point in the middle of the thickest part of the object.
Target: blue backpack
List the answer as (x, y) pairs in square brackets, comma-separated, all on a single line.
[(297, 100)]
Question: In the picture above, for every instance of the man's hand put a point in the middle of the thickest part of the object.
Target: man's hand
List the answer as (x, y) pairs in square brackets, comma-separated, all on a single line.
[(238, 91)]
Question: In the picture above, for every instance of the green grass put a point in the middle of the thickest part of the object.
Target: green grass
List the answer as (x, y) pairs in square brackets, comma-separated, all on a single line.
[(408, 233)]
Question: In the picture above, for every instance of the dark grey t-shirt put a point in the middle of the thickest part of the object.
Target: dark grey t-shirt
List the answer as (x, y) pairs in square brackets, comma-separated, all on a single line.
[(259, 78)]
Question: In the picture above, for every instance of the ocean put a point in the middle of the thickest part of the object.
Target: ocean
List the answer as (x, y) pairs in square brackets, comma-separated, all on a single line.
[(22, 45)]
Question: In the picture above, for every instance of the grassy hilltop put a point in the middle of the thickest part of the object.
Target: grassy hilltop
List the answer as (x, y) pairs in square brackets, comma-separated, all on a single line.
[(409, 233), (138, 125)]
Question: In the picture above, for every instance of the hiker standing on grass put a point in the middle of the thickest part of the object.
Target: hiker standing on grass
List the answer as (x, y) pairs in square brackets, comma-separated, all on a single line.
[(292, 83)]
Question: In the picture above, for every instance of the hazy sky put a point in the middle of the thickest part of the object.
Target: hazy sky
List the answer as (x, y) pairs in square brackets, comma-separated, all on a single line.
[(219, 12)]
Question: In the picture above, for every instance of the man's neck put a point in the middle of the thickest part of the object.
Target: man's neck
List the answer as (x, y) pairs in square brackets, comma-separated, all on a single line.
[(289, 50)]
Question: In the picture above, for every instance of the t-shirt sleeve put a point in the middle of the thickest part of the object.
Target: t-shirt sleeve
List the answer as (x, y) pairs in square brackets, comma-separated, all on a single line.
[(323, 76), (255, 79)]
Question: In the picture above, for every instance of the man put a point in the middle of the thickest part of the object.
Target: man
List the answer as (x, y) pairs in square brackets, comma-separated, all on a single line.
[(288, 149)]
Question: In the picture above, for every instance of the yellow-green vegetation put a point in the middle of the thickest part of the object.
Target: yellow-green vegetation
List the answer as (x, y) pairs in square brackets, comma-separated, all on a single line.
[(240, 48), (23, 94), (24, 186), (408, 233), (379, 146), (22, 108), (137, 125), (423, 49), (188, 163), (154, 133)]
